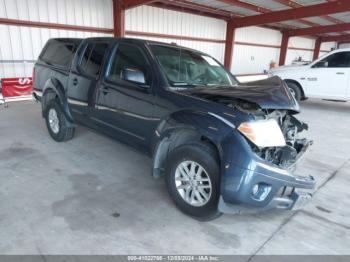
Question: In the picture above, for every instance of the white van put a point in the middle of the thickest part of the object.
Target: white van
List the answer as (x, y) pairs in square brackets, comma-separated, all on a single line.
[(327, 77)]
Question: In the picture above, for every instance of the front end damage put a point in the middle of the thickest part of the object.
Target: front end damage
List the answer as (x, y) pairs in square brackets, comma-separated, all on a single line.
[(256, 177), (286, 156), (268, 180)]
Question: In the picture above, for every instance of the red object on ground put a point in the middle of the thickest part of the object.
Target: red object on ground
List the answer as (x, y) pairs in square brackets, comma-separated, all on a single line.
[(19, 86)]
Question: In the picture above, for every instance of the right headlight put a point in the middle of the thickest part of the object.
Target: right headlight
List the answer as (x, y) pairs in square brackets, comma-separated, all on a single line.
[(263, 133)]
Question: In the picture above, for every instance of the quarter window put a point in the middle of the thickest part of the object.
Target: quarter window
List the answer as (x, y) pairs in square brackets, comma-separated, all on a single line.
[(59, 53), (93, 57), (128, 56)]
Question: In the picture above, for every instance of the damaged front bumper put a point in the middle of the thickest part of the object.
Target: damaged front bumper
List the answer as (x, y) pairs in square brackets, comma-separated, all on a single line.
[(256, 185)]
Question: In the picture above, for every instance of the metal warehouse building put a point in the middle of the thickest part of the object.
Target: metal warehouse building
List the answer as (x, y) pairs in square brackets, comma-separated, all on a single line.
[(221, 99), (27, 25)]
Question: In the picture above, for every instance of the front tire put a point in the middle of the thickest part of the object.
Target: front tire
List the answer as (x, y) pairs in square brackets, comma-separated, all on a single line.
[(192, 179), (57, 123)]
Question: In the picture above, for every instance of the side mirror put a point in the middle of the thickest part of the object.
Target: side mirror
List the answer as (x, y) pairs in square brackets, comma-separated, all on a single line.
[(321, 64), (133, 75)]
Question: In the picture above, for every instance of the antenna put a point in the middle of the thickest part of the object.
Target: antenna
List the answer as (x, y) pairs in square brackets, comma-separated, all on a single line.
[(181, 25)]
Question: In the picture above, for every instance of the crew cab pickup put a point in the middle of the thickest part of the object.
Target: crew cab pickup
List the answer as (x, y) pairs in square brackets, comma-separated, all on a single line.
[(223, 146), (326, 77)]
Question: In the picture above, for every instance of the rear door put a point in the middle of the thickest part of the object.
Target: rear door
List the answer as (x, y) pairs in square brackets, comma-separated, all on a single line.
[(329, 78), (84, 77), (124, 107)]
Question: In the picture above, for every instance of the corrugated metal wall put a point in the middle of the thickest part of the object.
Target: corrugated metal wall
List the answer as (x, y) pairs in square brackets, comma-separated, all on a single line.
[(249, 59), (327, 46), (345, 45), (23, 43), (254, 49), (162, 21), (305, 43), (302, 43)]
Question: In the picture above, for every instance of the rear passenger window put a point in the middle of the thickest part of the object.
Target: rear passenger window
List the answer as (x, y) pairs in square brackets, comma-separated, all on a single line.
[(92, 59), (59, 54)]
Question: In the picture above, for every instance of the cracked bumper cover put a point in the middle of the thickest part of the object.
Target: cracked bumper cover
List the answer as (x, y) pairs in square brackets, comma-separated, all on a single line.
[(280, 188)]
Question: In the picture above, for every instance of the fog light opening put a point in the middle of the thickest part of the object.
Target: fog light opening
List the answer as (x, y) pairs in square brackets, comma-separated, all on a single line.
[(261, 191), (255, 189)]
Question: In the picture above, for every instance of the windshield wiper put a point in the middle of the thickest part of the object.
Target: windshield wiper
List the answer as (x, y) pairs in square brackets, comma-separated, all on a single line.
[(184, 84)]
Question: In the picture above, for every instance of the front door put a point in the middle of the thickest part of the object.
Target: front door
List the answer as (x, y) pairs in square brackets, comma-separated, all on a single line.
[(127, 107), (329, 78)]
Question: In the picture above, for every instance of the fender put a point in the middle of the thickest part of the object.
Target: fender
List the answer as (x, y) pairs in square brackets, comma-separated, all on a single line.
[(183, 126), (52, 85)]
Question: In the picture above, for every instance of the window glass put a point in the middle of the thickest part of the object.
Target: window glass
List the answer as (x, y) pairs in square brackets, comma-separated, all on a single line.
[(59, 53), (185, 67), (93, 57), (341, 59), (128, 56)]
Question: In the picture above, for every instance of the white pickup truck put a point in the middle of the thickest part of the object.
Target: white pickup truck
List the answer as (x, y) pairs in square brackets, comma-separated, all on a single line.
[(327, 77)]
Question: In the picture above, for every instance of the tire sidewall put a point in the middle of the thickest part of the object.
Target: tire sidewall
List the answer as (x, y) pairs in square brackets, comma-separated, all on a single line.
[(209, 163)]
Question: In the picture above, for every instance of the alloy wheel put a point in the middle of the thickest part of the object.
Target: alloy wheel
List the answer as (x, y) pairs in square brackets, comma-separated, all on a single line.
[(193, 183), (54, 121)]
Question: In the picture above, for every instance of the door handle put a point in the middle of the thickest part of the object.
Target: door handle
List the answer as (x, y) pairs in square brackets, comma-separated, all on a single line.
[(340, 73), (75, 81)]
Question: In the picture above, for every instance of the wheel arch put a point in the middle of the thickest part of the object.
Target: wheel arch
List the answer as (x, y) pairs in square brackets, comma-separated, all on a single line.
[(172, 133), (175, 139), (53, 89)]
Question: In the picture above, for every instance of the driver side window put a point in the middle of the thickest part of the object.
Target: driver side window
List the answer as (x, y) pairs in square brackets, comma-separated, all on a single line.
[(341, 59), (131, 57)]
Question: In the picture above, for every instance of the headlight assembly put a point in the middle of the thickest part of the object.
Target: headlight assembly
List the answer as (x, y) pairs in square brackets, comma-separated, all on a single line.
[(263, 133)]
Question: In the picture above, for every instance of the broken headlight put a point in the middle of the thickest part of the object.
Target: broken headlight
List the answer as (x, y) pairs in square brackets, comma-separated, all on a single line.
[(263, 133)]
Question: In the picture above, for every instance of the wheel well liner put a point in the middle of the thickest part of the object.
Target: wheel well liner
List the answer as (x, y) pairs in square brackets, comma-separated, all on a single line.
[(174, 140)]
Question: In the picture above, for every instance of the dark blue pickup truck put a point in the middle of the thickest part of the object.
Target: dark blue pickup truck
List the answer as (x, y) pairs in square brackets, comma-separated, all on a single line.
[(223, 146)]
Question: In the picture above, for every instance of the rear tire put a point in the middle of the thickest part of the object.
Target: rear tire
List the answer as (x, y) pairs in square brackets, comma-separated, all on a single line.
[(197, 196), (57, 123), (295, 90)]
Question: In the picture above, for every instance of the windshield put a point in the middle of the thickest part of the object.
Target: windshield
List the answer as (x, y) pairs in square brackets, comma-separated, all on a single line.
[(185, 68)]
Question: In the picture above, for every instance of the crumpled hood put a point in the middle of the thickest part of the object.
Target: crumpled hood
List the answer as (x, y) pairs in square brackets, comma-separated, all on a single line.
[(270, 93)]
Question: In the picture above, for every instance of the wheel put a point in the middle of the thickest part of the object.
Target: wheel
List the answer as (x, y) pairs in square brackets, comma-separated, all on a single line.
[(192, 179), (57, 123), (295, 90)]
